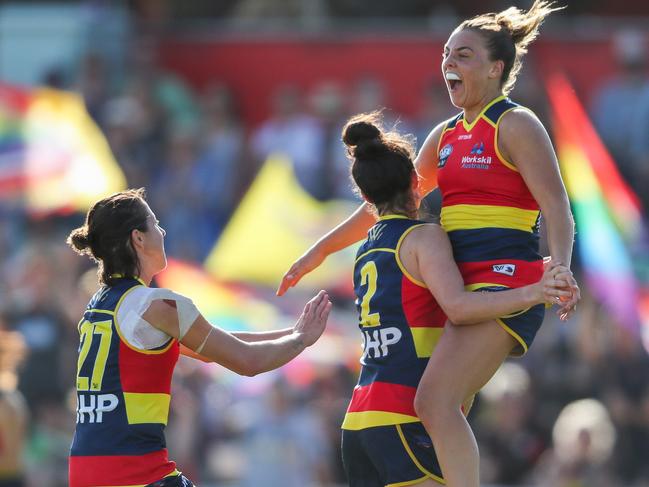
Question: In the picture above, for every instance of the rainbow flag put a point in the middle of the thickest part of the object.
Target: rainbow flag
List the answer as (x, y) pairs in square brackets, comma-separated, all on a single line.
[(52, 155), (607, 213)]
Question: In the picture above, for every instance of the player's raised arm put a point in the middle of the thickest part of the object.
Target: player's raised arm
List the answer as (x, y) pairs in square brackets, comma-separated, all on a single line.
[(348, 232), (356, 226)]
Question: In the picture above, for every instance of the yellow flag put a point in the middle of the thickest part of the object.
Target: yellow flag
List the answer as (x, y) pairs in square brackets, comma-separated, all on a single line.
[(275, 223), (67, 161)]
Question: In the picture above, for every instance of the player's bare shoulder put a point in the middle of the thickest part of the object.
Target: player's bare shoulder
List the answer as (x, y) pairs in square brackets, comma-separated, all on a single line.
[(427, 234), (519, 122), (520, 129)]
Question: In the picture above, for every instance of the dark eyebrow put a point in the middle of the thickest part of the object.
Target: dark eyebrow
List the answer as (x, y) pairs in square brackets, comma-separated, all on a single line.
[(467, 48)]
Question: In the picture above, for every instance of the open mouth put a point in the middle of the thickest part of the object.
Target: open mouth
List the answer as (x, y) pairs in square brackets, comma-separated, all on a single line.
[(453, 80)]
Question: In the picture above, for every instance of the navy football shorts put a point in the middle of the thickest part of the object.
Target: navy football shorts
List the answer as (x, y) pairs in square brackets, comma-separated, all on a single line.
[(400, 454), (523, 325)]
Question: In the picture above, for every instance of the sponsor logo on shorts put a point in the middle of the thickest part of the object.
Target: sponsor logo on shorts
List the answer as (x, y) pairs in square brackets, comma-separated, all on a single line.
[(507, 269)]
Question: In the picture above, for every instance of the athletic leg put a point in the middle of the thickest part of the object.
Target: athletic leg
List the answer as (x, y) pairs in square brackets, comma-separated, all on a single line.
[(463, 361)]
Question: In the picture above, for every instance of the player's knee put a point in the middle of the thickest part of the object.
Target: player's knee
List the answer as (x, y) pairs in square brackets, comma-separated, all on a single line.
[(425, 402), (420, 406), (433, 408)]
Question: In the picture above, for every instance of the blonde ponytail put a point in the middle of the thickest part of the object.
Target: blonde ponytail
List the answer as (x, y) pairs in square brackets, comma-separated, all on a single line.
[(509, 33)]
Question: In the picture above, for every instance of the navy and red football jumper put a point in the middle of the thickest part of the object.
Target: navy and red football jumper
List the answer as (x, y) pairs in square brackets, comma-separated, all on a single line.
[(384, 443), (123, 396), (490, 215)]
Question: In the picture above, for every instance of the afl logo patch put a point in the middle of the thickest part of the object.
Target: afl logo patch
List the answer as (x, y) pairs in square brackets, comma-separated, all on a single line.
[(507, 269), (443, 154)]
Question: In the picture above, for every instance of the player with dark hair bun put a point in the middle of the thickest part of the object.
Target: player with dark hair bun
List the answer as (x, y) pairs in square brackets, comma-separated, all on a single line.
[(130, 339), (406, 284), (497, 172)]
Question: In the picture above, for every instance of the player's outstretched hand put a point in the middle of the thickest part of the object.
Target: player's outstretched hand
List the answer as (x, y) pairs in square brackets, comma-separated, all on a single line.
[(305, 264), (313, 320)]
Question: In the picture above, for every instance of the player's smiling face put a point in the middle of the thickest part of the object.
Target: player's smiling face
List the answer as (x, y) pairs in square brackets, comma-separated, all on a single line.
[(467, 70)]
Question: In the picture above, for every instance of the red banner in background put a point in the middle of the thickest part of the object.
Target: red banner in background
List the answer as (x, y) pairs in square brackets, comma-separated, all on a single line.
[(406, 65)]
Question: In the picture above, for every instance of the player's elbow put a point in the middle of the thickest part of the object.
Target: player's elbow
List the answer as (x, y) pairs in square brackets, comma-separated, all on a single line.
[(242, 363), (247, 367), (456, 312), (458, 317), (251, 372)]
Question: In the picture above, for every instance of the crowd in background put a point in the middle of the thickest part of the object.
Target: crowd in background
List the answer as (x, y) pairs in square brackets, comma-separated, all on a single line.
[(196, 157)]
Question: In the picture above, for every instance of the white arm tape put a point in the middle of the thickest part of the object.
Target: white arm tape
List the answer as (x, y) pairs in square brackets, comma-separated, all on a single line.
[(187, 310)]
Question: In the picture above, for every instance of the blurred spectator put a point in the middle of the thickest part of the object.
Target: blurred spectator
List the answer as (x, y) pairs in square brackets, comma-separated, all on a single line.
[(327, 101), (368, 94), (529, 91), (184, 429), (13, 410), (49, 443), (511, 437), (624, 374), (616, 108), (136, 131), (329, 396), (166, 89), (36, 315), (222, 165), (311, 13), (92, 84), (178, 201), (583, 438), (285, 444), (292, 132)]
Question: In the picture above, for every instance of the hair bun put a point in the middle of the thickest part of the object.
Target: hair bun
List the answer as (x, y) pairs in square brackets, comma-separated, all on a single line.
[(358, 132), (79, 240), (369, 149)]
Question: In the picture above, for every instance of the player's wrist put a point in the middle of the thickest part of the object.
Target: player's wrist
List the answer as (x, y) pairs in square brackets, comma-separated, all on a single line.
[(299, 340), (534, 294)]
